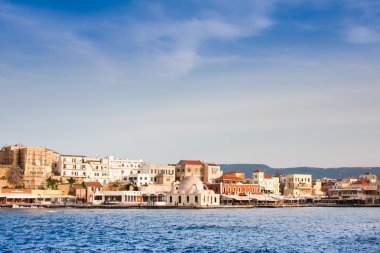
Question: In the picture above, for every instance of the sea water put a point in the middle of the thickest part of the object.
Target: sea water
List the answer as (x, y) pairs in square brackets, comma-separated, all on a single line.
[(315, 229)]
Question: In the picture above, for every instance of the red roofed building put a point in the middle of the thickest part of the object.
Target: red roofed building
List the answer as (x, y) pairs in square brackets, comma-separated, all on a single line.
[(229, 179), (206, 172)]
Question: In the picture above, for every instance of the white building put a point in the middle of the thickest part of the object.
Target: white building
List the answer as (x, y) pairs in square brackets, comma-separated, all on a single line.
[(267, 183), (120, 169), (98, 169), (212, 172), (117, 197), (73, 166), (139, 179), (192, 192)]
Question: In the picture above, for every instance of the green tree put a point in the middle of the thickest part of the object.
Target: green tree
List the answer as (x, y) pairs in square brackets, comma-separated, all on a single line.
[(52, 183), (71, 181)]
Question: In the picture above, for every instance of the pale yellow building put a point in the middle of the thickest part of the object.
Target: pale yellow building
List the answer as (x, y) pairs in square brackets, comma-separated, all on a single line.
[(298, 185), (161, 174)]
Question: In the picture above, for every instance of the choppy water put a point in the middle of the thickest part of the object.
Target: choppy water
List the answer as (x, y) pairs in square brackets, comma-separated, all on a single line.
[(218, 230)]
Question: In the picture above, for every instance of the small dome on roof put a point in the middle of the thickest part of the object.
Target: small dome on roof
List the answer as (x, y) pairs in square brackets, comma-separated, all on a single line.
[(190, 184)]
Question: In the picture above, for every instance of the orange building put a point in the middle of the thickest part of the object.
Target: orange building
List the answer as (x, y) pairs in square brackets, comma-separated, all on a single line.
[(230, 184)]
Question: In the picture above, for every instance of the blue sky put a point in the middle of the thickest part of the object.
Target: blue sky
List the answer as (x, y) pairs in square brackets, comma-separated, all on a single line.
[(286, 83)]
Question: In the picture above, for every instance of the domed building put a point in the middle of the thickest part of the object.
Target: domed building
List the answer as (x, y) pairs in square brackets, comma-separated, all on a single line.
[(192, 192)]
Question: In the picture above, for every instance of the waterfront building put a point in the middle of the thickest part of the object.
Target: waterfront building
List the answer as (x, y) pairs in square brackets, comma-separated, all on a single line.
[(230, 184), (267, 183), (298, 185), (29, 196), (120, 169), (80, 192), (206, 172), (192, 192), (91, 189), (117, 197)]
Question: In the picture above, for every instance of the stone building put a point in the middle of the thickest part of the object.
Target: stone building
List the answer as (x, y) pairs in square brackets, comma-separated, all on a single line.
[(206, 172), (37, 165)]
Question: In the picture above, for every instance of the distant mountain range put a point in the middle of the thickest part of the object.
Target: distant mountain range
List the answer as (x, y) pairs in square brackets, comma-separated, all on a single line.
[(317, 173)]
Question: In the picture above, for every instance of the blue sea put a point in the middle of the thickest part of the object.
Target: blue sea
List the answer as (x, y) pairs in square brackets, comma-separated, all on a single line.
[(172, 230)]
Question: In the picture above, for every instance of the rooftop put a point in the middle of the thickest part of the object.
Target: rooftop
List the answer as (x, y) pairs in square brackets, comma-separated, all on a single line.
[(93, 184), (192, 162)]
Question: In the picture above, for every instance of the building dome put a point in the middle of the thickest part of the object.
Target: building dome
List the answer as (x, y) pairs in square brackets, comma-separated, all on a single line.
[(190, 185)]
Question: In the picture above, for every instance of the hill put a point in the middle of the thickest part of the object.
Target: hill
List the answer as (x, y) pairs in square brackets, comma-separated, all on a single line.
[(317, 173)]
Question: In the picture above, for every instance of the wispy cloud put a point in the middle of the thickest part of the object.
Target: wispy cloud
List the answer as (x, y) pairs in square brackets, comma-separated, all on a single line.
[(362, 35), (175, 45)]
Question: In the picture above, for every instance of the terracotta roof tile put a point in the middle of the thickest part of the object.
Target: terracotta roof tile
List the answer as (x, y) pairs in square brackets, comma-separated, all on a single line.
[(227, 177), (192, 162), (93, 184)]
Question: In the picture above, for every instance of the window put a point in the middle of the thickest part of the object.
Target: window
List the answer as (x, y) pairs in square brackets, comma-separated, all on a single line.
[(188, 199), (196, 199), (170, 199), (179, 199)]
